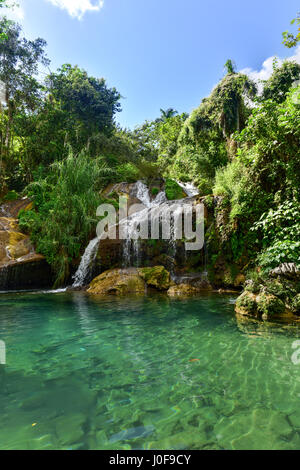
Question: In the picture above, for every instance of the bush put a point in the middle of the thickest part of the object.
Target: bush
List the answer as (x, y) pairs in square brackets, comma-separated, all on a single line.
[(173, 190), (65, 211)]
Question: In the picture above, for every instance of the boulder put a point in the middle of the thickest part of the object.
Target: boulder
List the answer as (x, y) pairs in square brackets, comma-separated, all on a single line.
[(157, 277), (130, 281), (118, 282), (20, 266), (262, 305), (182, 290)]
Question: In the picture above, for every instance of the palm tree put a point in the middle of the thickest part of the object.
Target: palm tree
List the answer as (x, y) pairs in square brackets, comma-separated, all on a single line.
[(167, 114)]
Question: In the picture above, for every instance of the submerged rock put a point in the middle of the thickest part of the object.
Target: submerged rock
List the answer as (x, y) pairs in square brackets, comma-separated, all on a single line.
[(182, 290)]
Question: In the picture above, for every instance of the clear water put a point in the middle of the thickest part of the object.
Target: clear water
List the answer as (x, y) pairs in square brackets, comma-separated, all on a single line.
[(144, 373)]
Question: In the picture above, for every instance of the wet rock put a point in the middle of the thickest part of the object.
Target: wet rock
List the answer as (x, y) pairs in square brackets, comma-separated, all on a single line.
[(182, 290), (262, 305), (157, 277), (118, 282)]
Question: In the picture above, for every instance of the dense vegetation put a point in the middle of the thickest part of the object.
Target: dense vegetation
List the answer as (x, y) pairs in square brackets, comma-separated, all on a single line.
[(60, 145)]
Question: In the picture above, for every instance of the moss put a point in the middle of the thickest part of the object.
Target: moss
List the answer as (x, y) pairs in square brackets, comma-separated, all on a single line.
[(117, 282), (209, 202), (157, 277), (296, 305), (246, 304), (154, 191), (173, 190), (270, 305)]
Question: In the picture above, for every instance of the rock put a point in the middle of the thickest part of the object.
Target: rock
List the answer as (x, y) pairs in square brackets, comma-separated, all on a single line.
[(288, 270), (296, 305), (262, 305), (246, 304), (20, 266), (157, 277), (182, 290), (239, 280), (69, 429), (269, 306), (118, 282)]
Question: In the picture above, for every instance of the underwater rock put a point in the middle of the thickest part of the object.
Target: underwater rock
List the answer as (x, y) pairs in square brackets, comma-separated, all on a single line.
[(182, 290)]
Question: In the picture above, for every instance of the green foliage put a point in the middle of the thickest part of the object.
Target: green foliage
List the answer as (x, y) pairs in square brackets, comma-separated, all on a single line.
[(291, 40), (173, 190), (280, 233), (281, 81), (11, 196), (64, 216), (206, 141)]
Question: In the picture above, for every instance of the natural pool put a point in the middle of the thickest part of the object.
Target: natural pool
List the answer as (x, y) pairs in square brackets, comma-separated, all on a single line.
[(144, 373)]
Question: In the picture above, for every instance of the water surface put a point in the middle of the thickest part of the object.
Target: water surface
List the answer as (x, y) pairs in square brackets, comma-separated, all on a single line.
[(144, 373)]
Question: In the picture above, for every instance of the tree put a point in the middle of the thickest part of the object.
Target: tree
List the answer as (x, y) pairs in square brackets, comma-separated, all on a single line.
[(291, 40), (87, 103), (21, 92), (19, 63), (281, 81), (167, 114)]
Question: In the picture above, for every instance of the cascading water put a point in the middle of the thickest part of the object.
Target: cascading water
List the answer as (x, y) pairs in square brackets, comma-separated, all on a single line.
[(132, 244), (189, 189), (157, 208), (83, 273)]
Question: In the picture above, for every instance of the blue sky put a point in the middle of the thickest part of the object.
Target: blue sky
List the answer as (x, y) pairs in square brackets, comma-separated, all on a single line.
[(160, 53)]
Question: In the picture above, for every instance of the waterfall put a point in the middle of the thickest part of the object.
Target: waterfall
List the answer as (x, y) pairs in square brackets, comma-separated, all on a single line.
[(83, 273), (132, 245), (159, 208), (189, 189), (141, 191)]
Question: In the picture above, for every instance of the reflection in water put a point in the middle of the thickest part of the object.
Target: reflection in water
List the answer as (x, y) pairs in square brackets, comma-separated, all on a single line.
[(135, 373)]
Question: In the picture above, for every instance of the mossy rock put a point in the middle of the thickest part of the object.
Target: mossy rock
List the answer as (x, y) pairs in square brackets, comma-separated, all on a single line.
[(295, 306), (246, 304), (263, 305), (269, 305), (182, 290), (157, 277), (117, 282)]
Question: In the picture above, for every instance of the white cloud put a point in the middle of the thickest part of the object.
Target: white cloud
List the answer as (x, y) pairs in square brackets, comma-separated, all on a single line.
[(16, 13), (267, 67), (77, 8)]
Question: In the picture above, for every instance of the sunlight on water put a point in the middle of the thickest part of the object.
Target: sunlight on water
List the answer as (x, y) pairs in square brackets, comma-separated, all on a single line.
[(144, 373)]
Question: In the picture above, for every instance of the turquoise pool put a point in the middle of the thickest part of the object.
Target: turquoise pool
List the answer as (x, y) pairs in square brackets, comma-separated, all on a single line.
[(144, 373)]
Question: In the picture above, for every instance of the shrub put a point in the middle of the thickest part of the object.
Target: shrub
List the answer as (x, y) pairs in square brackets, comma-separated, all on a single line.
[(65, 211), (173, 190)]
